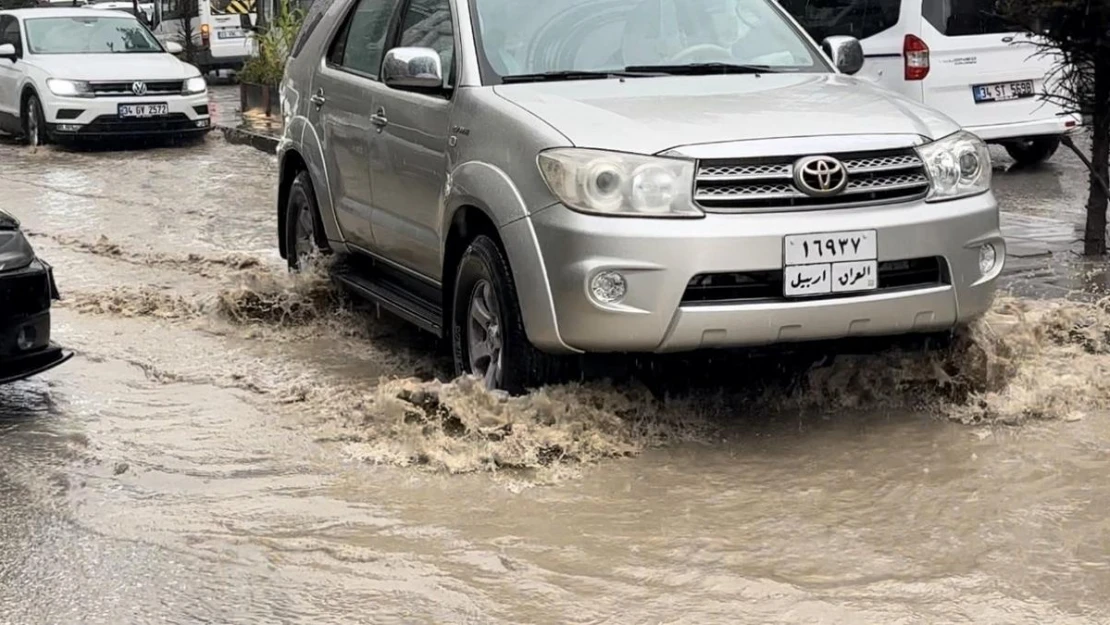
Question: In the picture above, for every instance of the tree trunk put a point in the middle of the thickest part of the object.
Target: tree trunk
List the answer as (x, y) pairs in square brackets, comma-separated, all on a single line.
[(1094, 237)]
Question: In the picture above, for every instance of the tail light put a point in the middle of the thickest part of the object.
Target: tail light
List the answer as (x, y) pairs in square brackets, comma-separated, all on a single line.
[(916, 57), (204, 30)]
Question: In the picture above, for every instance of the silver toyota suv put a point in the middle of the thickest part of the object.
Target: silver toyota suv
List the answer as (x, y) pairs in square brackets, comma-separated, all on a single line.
[(536, 179)]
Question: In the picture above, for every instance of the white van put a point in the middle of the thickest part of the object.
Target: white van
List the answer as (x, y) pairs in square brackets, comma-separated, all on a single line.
[(956, 56)]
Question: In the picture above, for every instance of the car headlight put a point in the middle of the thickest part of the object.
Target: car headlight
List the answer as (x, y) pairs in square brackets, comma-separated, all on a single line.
[(69, 88), (15, 250), (196, 84), (959, 165), (613, 183)]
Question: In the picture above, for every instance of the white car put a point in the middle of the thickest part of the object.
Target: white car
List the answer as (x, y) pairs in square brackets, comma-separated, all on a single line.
[(69, 74), (956, 56)]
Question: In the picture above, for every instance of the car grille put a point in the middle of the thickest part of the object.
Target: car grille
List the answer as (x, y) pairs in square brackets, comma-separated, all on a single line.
[(24, 292), (741, 286), (767, 183), (110, 124), (123, 88)]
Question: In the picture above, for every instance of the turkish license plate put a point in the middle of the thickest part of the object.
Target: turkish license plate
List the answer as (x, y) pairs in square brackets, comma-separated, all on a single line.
[(825, 263), (1000, 92), (143, 110), (231, 33)]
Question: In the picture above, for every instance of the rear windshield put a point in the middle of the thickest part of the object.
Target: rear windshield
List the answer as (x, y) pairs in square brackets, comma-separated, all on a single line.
[(855, 18), (957, 18)]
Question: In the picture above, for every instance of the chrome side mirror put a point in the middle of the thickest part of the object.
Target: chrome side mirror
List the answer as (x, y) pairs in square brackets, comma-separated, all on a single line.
[(416, 69), (846, 53), (7, 51)]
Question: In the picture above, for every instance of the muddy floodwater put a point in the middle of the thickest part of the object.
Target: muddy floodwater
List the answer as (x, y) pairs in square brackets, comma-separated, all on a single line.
[(231, 445)]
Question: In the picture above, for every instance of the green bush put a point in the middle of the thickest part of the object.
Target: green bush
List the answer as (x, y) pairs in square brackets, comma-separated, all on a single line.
[(275, 41)]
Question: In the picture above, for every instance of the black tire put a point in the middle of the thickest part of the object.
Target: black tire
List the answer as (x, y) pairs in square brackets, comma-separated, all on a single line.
[(523, 367), (36, 134), (1033, 151), (300, 210)]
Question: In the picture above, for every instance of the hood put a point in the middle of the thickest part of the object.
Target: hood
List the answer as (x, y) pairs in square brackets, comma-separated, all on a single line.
[(651, 115), (122, 66)]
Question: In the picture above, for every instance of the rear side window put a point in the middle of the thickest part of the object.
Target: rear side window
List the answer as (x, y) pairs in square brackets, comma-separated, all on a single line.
[(855, 18), (958, 18), (9, 32)]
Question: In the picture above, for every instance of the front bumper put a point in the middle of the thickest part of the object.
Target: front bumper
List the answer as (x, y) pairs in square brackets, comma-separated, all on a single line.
[(658, 259), (99, 117), (25, 345), (1053, 126)]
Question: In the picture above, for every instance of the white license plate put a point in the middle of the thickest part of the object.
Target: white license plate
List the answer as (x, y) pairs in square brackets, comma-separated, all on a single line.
[(230, 34), (1000, 92), (143, 110), (837, 262)]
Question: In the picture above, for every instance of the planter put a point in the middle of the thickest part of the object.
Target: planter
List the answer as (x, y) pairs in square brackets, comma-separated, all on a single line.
[(258, 99)]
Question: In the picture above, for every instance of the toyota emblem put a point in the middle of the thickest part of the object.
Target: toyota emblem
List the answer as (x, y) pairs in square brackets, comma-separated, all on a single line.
[(820, 176), (138, 88)]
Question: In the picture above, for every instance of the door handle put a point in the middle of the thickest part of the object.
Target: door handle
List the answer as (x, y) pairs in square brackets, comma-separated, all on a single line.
[(379, 118), (318, 98)]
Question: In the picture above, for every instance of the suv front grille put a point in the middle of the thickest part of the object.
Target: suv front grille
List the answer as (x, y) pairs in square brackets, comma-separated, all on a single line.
[(767, 183), (123, 89)]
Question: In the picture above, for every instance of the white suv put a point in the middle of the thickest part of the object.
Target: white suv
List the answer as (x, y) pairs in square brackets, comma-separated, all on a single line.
[(87, 73), (956, 56)]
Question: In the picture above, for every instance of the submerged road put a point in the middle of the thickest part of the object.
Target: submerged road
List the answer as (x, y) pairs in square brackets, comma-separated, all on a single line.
[(220, 450)]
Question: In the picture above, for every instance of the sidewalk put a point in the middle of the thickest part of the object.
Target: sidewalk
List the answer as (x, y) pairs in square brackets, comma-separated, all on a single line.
[(223, 104)]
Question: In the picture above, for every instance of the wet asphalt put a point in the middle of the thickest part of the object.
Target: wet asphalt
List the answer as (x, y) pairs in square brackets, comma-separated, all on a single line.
[(220, 450)]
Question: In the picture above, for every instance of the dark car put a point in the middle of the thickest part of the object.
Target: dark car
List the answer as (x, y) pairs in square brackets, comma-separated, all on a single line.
[(27, 290)]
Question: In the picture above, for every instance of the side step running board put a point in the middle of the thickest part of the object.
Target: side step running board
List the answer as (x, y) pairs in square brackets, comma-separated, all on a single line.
[(414, 309)]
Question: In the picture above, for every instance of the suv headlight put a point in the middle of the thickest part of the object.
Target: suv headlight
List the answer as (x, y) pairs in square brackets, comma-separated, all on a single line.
[(69, 88), (193, 85), (15, 250), (614, 183), (959, 165)]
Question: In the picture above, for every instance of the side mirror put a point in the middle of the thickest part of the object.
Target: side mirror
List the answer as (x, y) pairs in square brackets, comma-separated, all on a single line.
[(846, 53), (7, 51), (414, 69), (173, 47)]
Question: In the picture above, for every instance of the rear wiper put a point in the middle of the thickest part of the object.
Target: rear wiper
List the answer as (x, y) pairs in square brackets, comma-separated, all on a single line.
[(574, 74), (700, 69)]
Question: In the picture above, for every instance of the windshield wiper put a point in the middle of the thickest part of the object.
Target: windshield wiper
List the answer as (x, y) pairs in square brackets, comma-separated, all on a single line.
[(701, 69), (575, 74)]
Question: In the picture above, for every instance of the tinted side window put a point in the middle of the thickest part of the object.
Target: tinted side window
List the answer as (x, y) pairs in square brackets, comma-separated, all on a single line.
[(9, 32), (428, 25), (315, 14), (364, 41), (855, 18), (956, 18)]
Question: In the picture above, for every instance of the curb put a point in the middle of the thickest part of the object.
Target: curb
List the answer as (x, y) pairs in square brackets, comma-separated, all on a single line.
[(256, 140)]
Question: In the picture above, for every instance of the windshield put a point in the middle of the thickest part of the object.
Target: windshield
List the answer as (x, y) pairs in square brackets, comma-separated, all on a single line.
[(535, 36), (88, 35)]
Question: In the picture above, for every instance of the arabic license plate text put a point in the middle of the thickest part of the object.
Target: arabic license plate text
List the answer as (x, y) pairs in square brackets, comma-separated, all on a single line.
[(1000, 92), (805, 249), (143, 110)]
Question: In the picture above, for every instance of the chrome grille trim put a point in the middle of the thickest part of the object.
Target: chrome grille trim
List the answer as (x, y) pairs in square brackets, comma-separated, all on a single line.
[(767, 185), (120, 88)]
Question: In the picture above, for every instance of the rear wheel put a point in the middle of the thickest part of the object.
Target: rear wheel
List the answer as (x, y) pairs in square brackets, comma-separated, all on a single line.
[(487, 329), (1034, 150), (304, 232), (34, 123)]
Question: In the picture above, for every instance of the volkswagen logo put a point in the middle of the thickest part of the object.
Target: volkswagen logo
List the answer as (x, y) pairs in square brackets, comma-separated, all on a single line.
[(138, 88), (820, 176)]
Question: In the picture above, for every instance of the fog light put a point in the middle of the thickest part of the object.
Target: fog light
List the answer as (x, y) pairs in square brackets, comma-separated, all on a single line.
[(25, 340), (202, 123), (987, 258), (608, 287), (68, 127)]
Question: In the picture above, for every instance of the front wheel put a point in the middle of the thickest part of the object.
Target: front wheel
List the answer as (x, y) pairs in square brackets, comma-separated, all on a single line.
[(487, 329), (34, 123), (1033, 151)]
